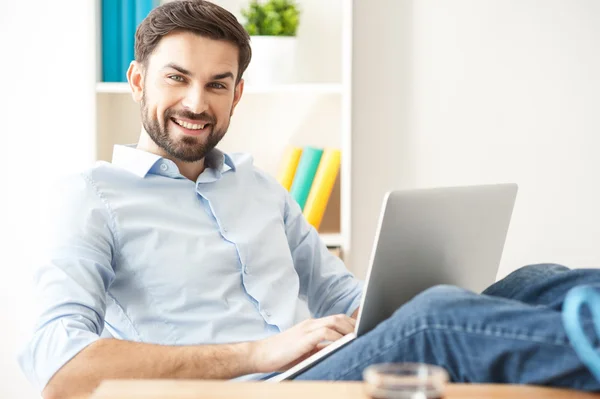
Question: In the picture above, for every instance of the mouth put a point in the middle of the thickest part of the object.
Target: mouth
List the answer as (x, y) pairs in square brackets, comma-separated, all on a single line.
[(192, 129)]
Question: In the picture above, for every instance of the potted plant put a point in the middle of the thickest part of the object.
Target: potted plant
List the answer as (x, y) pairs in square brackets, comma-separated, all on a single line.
[(272, 26)]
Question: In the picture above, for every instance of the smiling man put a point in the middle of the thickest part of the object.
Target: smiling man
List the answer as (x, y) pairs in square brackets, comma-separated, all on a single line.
[(188, 86), (199, 265)]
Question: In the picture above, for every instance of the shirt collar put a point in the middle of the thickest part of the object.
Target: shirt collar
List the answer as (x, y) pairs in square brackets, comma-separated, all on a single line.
[(135, 161), (218, 160), (139, 162)]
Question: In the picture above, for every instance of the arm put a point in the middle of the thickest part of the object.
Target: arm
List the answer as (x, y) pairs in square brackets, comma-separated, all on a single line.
[(113, 358), (66, 356), (325, 282)]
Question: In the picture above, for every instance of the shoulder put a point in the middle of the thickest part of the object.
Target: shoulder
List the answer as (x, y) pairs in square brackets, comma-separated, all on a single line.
[(244, 164), (74, 205), (86, 185), (259, 184)]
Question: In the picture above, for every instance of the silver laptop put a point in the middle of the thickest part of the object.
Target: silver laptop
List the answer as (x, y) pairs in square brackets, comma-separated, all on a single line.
[(427, 237)]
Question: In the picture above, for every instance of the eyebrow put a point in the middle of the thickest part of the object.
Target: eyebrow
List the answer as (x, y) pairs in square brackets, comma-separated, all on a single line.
[(184, 71), (224, 75), (178, 69)]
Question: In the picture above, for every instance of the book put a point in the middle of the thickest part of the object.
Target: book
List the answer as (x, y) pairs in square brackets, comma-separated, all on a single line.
[(305, 173), (289, 164), (127, 36), (322, 185), (111, 40)]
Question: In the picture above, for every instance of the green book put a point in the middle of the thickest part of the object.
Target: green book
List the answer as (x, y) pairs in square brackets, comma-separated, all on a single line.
[(305, 173)]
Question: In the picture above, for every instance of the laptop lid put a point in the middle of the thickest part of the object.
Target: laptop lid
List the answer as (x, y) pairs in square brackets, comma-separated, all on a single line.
[(427, 237)]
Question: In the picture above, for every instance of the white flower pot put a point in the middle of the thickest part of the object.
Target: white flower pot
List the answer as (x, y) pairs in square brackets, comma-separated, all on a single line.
[(273, 60)]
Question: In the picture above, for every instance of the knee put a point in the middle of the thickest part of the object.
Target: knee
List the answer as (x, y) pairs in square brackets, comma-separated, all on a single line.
[(437, 299), (535, 271), (438, 306), (439, 294)]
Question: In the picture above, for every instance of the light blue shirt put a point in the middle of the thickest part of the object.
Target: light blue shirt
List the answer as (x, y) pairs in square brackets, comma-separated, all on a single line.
[(151, 256)]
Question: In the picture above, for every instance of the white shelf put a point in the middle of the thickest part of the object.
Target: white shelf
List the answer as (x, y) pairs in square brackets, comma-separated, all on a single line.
[(112, 87), (332, 239), (314, 88), (317, 88)]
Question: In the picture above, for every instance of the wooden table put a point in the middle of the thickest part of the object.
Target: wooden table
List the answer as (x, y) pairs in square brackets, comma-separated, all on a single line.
[(186, 389)]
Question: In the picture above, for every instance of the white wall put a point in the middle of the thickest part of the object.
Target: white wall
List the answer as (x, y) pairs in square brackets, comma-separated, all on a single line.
[(46, 94), (482, 91)]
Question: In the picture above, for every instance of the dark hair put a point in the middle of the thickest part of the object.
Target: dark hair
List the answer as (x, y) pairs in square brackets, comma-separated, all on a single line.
[(198, 16)]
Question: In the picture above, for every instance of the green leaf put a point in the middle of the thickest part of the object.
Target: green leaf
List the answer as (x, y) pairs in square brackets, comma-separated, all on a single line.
[(252, 29), (271, 18)]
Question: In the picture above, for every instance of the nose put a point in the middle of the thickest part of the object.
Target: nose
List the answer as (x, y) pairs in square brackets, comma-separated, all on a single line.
[(195, 100)]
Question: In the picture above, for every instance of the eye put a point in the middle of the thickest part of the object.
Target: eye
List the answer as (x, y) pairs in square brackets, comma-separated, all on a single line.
[(176, 78), (217, 85)]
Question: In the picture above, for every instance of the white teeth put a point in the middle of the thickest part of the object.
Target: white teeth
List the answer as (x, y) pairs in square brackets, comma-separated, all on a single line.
[(191, 126)]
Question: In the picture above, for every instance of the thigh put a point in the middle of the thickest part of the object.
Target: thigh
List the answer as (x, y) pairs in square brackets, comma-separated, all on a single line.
[(542, 284), (475, 338)]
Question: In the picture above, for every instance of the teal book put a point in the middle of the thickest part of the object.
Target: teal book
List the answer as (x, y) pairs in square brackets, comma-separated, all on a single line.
[(111, 41), (305, 174), (127, 36)]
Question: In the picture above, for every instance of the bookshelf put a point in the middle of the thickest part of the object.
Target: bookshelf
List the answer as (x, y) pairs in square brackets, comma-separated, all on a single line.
[(315, 88), (332, 240), (315, 110)]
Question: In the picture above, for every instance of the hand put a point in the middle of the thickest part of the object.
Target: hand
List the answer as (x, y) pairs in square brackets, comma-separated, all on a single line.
[(286, 349)]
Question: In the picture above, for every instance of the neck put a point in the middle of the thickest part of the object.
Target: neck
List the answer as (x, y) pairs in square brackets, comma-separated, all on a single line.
[(191, 170)]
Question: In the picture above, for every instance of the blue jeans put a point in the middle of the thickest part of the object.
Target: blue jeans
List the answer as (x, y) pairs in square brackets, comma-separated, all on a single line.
[(511, 333)]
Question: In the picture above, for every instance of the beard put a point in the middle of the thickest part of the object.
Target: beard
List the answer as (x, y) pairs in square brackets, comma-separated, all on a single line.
[(187, 148)]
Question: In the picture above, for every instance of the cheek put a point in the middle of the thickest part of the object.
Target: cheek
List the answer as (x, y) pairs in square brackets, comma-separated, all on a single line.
[(224, 109), (154, 113), (163, 98)]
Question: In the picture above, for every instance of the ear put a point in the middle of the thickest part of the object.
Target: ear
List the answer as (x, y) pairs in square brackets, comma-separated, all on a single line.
[(237, 95), (135, 77)]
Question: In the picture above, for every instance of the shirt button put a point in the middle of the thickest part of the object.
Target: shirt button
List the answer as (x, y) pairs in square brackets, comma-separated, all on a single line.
[(164, 167), (224, 230), (267, 313)]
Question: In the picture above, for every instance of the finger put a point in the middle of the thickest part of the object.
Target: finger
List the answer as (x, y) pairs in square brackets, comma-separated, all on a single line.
[(340, 323), (323, 344), (350, 320), (323, 334), (325, 320), (345, 326)]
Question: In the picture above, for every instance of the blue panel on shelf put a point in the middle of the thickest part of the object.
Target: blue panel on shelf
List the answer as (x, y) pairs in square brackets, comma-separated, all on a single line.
[(111, 39), (127, 35)]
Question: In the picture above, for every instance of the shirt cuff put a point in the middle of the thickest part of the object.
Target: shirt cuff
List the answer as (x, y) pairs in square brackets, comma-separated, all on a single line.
[(354, 305)]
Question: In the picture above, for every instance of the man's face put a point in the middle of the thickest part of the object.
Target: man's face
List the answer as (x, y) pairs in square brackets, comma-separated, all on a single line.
[(189, 94)]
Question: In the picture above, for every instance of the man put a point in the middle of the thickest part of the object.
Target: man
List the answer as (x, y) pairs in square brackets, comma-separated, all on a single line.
[(202, 266)]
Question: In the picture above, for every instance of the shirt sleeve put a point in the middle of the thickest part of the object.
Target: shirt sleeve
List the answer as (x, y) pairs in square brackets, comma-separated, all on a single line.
[(325, 282), (71, 280)]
